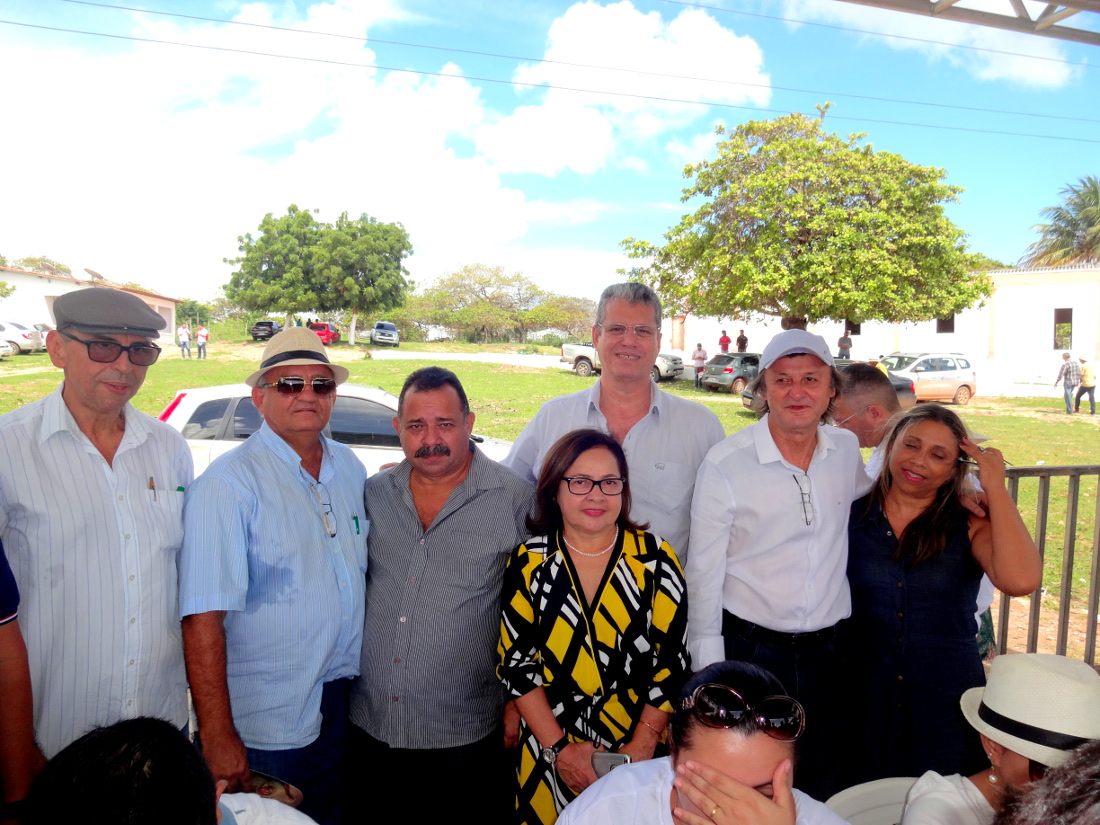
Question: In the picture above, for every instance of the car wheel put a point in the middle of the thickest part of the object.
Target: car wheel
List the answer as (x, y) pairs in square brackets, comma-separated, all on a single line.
[(584, 368), (962, 396), (655, 374), (15, 348), (738, 386)]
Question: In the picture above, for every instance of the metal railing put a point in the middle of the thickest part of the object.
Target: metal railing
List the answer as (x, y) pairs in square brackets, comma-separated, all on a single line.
[(1044, 475)]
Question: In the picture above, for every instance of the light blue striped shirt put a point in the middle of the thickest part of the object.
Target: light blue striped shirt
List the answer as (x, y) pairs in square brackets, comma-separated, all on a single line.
[(257, 545), (94, 553)]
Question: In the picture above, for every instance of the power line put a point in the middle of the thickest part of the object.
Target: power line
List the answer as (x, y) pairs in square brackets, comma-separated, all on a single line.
[(547, 86), (520, 58), (836, 27)]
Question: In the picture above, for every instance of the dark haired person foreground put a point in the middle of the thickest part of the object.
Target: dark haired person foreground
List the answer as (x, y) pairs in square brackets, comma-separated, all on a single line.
[(593, 635), (142, 772), (428, 713), (1066, 795), (732, 739), (915, 561), (1035, 710)]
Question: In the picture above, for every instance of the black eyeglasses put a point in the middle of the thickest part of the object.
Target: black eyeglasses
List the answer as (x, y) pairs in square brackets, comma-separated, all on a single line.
[(582, 486), (295, 386), (107, 352), (326, 512), (717, 706), (807, 500)]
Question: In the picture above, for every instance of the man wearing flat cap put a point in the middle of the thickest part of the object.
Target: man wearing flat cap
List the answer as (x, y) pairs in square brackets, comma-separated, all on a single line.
[(91, 502), (272, 576), (767, 573)]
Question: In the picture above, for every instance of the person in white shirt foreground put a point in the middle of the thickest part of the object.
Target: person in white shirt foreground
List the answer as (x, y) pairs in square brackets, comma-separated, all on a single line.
[(732, 739), (1035, 709)]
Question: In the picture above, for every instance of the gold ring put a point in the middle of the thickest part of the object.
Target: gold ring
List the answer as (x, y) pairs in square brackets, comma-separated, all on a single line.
[(713, 811)]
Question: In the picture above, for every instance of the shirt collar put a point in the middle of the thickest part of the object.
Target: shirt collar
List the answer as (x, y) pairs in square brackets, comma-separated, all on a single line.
[(657, 399), (277, 445), (767, 451), (57, 418)]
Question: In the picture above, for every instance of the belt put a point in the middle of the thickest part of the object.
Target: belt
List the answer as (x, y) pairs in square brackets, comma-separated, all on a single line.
[(736, 626)]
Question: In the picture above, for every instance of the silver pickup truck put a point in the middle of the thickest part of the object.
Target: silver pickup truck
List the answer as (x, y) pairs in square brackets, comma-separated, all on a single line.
[(585, 362)]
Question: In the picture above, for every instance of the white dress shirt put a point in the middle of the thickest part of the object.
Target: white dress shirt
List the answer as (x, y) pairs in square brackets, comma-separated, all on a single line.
[(752, 551), (94, 547), (946, 800), (663, 451), (641, 794)]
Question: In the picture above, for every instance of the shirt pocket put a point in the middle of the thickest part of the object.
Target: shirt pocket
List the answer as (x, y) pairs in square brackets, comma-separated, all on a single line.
[(166, 510)]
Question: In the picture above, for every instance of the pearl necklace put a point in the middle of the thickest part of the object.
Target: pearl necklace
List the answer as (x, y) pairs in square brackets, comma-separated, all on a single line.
[(591, 555)]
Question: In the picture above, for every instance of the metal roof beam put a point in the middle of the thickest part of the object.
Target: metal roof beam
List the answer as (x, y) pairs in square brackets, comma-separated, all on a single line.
[(1022, 25)]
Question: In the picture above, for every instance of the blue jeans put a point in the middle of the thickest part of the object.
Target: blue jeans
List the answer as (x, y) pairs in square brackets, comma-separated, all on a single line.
[(317, 769), (185, 349), (1069, 397), (200, 349)]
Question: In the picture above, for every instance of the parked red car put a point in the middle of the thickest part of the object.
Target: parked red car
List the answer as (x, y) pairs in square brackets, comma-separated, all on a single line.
[(327, 333)]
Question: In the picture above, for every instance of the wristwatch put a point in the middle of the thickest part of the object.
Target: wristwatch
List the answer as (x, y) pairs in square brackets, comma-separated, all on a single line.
[(550, 755)]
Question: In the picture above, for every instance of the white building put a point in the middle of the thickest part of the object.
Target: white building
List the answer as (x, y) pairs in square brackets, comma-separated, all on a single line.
[(35, 292), (1019, 334)]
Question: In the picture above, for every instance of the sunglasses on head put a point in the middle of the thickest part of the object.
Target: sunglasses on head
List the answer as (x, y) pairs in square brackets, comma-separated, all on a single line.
[(718, 706), (295, 386), (107, 352)]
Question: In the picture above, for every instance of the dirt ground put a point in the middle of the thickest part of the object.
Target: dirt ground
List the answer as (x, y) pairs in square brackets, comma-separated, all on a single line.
[(1019, 617)]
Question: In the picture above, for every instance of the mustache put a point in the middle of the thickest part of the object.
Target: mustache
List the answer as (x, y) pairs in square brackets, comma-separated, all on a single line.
[(437, 449)]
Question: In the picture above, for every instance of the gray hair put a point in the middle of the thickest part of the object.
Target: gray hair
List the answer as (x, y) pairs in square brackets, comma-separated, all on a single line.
[(760, 401), (633, 293)]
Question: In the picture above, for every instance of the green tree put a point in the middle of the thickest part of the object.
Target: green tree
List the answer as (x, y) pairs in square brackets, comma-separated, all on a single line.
[(3, 260), (276, 272), (360, 266), (6, 289), (804, 225), (47, 266), (574, 315), (193, 312), (1073, 234), (979, 262)]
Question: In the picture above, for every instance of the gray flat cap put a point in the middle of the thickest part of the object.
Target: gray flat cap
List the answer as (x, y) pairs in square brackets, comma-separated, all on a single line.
[(100, 311)]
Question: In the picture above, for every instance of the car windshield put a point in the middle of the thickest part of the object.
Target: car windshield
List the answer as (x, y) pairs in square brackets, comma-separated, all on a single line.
[(386, 327), (899, 362)]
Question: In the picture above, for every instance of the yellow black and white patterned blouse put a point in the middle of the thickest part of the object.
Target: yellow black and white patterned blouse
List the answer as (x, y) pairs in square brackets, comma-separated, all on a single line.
[(600, 664)]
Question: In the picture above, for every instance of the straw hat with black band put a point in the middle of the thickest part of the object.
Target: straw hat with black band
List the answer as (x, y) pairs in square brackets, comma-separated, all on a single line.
[(296, 346), (1039, 705)]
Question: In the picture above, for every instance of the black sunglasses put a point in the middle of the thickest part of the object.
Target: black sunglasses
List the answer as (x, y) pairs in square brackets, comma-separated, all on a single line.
[(295, 386), (107, 352), (717, 706)]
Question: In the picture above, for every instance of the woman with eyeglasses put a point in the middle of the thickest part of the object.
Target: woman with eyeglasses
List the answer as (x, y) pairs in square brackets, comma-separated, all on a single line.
[(915, 561), (732, 742), (593, 633), (1036, 709)]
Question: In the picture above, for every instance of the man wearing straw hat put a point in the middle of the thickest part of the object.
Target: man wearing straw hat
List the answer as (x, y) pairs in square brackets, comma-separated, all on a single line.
[(272, 584)]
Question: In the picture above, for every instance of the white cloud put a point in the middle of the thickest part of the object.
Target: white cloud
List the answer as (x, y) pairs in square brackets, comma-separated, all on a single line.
[(651, 93), (986, 65), (694, 150)]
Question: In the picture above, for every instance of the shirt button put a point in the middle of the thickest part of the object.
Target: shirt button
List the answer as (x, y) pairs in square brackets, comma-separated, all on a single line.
[(395, 698), (900, 584), (120, 498), (132, 621), (131, 577), (131, 661), (402, 619), (129, 702), (889, 533), (899, 677), (412, 578), (900, 615), (127, 535), (421, 541), (397, 661)]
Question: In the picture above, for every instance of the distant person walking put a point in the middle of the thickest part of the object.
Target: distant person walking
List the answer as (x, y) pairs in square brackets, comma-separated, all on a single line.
[(700, 359), (724, 342), (1070, 376), (202, 335), (742, 342), (1088, 385), (184, 336), (844, 345)]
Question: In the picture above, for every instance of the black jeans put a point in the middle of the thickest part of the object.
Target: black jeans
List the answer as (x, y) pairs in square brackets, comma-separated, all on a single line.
[(813, 672), (387, 784)]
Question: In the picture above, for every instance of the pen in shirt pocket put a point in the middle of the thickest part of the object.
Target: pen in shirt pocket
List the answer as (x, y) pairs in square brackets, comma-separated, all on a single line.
[(153, 488)]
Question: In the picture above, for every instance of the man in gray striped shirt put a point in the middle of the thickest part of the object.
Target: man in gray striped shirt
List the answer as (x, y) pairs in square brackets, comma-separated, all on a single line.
[(427, 709)]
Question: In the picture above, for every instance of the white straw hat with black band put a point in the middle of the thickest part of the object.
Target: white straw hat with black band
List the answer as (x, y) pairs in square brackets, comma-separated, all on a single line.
[(297, 346), (1037, 704)]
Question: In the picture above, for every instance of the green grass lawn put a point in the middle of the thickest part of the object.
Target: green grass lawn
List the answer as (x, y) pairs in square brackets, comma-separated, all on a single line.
[(505, 398)]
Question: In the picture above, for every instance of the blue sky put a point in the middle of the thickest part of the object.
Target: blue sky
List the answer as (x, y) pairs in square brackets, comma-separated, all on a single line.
[(145, 161)]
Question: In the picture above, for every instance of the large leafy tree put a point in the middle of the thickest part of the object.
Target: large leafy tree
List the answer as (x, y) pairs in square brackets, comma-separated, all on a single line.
[(360, 266), (799, 223), (193, 312), (1073, 234), (276, 272)]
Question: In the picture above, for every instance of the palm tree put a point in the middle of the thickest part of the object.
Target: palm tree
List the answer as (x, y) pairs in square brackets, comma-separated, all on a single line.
[(1073, 234)]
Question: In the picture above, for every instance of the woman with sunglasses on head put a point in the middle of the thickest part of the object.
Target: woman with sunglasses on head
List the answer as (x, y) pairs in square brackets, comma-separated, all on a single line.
[(1035, 710), (593, 633), (915, 561), (732, 739)]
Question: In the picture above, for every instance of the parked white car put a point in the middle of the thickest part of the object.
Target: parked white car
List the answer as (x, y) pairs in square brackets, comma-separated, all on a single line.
[(214, 420), (5, 349), (22, 337)]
